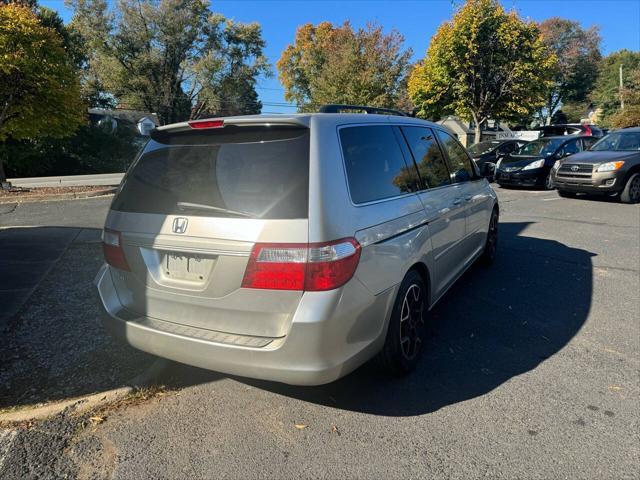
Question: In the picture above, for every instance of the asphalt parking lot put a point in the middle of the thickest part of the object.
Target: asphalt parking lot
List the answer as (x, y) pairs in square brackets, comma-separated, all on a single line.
[(532, 371)]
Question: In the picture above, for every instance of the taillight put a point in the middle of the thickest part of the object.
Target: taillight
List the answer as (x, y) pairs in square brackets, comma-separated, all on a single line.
[(302, 266), (112, 248), (206, 123)]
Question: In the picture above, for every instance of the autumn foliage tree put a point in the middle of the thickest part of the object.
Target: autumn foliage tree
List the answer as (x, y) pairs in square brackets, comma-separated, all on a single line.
[(170, 57), (337, 64), (39, 88), (484, 63), (578, 53)]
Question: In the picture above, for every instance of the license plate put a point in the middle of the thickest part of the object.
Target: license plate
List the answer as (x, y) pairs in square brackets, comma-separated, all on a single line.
[(186, 267)]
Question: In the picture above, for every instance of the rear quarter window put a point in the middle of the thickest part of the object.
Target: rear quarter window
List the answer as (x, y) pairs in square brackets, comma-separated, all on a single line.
[(374, 163)]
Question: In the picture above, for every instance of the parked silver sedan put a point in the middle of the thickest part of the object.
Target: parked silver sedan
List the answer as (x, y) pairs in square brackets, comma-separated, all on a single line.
[(292, 248)]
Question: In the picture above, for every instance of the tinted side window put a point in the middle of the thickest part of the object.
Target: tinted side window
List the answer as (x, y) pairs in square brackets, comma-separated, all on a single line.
[(459, 162), (427, 155), (508, 147), (571, 147), (374, 162), (587, 142)]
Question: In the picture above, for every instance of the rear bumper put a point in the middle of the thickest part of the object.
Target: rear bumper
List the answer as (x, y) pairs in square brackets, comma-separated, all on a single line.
[(530, 178), (598, 183), (329, 336)]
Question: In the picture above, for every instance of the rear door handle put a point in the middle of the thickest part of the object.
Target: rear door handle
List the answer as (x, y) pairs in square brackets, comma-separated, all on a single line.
[(457, 202)]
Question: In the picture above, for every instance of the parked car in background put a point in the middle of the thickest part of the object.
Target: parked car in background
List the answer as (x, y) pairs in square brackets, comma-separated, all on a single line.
[(486, 154), (571, 129), (610, 167), (531, 165), (292, 247)]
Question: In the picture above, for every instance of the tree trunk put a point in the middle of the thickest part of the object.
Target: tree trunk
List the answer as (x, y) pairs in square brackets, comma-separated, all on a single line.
[(478, 133), (3, 175)]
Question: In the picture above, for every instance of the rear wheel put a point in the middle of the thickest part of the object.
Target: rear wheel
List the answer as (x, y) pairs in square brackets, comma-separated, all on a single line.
[(565, 194), (491, 245), (406, 333), (631, 192)]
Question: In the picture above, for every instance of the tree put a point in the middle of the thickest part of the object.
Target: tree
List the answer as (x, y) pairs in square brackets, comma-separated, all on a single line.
[(485, 63), (328, 64), (578, 53), (169, 56), (606, 92), (39, 89), (630, 94)]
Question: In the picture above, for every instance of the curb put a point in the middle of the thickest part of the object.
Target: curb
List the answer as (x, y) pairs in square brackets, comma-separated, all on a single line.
[(87, 402), (59, 196)]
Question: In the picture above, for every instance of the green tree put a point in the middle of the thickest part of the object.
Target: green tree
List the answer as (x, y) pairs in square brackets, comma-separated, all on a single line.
[(485, 63), (167, 56), (629, 116), (329, 64), (578, 53), (606, 92), (39, 88)]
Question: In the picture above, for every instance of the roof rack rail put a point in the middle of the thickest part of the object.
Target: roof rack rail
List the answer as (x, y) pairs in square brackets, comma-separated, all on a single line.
[(338, 108)]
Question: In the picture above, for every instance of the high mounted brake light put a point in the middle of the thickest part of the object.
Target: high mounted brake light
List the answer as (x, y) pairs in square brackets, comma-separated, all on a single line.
[(202, 124), (302, 266), (112, 248)]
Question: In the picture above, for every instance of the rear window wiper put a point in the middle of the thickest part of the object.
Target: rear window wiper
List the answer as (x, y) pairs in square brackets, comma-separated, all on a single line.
[(211, 208)]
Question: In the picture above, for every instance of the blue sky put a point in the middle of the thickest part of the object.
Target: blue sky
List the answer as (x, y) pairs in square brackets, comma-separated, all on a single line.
[(619, 22)]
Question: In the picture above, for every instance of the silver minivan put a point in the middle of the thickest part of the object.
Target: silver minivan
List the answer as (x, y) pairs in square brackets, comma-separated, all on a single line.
[(292, 248)]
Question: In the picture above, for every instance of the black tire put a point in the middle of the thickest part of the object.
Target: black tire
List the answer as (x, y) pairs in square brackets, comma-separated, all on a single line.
[(406, 338), (631, 191), (491, 245), (565, 194)]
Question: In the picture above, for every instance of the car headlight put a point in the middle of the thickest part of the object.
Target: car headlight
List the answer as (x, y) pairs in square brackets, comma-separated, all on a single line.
[(536, 164), (610, 166)]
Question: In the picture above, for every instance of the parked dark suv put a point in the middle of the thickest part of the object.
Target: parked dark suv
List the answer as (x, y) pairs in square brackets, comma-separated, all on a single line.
[(611, 167)]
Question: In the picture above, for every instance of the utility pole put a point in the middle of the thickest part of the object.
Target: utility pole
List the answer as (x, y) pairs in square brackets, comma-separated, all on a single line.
[(621, 87)]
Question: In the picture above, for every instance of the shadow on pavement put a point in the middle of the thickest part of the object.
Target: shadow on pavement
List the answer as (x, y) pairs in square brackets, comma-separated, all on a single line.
[(54, 346), (493, 325)]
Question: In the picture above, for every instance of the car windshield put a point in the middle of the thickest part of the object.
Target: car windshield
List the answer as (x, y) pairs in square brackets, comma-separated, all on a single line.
[(483, 147), (542, 147), (619, 141)]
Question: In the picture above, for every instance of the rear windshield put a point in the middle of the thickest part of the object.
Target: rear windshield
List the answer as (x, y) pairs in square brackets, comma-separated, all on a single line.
[(254, 172)]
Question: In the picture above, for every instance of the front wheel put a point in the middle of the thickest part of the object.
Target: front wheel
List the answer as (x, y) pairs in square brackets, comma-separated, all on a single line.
[(406, 334), (631, 192), (565, 194)]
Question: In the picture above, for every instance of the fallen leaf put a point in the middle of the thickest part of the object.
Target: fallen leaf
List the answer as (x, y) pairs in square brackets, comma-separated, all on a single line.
[(334, 429), (96, 419), (300, 426)]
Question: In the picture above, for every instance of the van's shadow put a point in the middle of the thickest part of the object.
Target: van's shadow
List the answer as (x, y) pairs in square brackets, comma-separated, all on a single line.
[(493, 325)]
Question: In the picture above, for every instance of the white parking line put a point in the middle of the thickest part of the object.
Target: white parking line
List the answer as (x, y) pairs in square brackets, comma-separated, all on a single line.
[(6, 442), (550, 199)]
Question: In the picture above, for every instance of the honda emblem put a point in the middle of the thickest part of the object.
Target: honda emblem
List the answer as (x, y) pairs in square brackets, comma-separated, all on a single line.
[(180, 224)]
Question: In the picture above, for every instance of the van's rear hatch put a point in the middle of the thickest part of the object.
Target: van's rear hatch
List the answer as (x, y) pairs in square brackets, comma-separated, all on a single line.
[(190, 210)]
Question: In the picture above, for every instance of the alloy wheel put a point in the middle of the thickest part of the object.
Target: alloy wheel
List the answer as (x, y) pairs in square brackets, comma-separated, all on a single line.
[(634, 190), (411, 321)]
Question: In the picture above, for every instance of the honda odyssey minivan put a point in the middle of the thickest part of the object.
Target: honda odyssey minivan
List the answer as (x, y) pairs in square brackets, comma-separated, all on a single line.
[(292, 248)]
